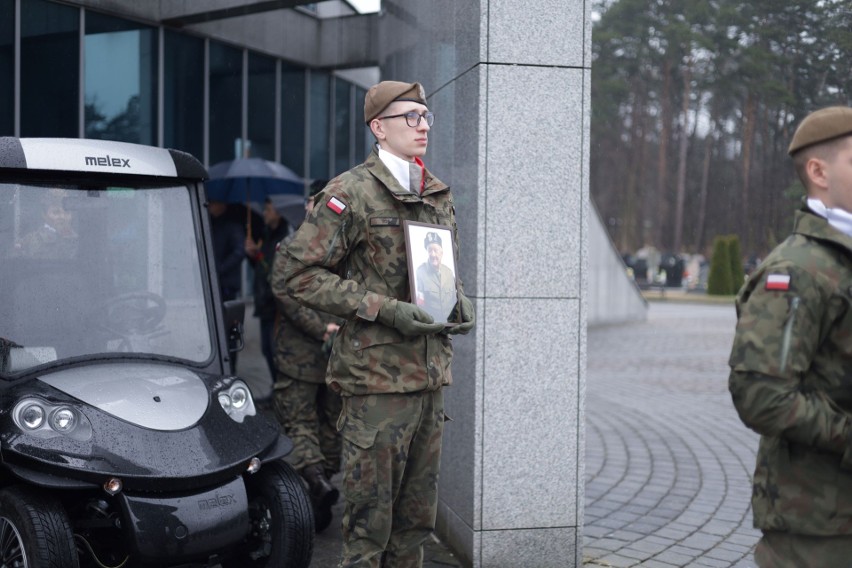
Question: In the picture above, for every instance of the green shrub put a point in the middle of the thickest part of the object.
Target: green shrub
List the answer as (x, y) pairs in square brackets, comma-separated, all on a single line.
[(720, 281), (736, 259)]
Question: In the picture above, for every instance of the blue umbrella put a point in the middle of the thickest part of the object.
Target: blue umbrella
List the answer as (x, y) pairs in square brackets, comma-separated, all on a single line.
[(251, 180), (246, 180)]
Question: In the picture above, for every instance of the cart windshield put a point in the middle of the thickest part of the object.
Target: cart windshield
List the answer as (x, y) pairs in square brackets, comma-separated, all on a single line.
[(98, 272)]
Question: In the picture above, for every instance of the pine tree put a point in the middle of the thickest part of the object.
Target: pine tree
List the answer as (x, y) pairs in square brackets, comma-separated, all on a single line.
[(695, 103)]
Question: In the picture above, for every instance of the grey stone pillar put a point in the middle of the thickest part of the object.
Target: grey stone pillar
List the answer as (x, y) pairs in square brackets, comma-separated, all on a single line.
[(509, 83)]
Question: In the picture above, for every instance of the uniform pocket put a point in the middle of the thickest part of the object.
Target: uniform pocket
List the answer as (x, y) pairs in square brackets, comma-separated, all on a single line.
[(368, 334), (360, 480), (358, 432), (388, 257)]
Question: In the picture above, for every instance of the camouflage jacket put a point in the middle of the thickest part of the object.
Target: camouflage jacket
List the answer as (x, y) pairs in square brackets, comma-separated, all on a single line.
[(347, 257), (791, 380), (299, 335)]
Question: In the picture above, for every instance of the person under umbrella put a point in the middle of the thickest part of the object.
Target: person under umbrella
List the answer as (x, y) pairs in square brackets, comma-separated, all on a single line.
[(227, 254), (260, 254)]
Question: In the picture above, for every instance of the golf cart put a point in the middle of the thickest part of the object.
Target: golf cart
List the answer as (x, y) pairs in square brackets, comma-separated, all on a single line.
[(124, 440)]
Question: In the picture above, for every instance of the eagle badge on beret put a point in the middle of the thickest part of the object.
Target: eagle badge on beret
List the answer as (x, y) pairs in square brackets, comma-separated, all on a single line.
[(432, 239)]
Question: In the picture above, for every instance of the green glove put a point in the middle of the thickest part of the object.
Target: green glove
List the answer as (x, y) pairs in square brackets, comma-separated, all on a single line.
[(407, 318), (468, 317)]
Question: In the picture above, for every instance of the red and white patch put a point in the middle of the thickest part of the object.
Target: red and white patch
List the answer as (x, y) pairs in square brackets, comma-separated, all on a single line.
[(778, 282), (336, 205)]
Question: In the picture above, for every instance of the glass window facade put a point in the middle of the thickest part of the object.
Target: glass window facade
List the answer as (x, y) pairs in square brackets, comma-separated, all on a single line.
[(261, 107), (320, 108), (226, 101), (103, 81), (120, 80), (343, 142), (293, 118), (50, 69), (183, 93), (7, 67)]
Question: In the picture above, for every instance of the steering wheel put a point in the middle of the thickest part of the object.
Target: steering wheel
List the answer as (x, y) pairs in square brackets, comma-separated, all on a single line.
[(133, 313)]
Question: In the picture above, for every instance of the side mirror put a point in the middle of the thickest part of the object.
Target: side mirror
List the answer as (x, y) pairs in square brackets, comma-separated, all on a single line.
[(235, 313)]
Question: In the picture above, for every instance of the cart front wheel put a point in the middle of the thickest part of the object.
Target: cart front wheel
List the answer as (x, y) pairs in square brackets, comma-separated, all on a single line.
[(282, 520), (34, 531)]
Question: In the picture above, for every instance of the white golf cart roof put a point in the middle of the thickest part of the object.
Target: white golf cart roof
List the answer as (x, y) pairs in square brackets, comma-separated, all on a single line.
[(97, 157)]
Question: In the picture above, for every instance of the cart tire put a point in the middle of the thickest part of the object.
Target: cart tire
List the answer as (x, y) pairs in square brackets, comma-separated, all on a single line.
[(34, 531), (282, 532)]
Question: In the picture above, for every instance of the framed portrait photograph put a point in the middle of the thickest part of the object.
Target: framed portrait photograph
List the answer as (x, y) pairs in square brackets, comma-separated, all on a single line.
[(432, 269)]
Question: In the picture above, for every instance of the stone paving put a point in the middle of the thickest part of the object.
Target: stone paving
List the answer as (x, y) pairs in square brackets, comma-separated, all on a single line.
[(668, 462)]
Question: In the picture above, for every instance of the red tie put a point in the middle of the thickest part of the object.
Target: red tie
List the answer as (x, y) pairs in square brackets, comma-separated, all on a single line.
[(419, 162)]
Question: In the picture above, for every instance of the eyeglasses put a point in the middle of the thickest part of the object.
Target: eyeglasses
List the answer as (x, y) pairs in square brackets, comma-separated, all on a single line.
[(412, 119)]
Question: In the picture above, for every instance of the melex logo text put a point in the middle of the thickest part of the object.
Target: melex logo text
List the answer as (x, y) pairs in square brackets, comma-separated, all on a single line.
[(217, 501), (107, 161)]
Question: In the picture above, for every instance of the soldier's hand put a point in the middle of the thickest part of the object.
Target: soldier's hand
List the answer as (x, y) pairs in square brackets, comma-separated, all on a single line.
[(468, 316), (407, 318)]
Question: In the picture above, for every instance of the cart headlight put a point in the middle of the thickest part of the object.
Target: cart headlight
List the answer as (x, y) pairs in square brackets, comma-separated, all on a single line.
[(239, 397), (42, 419), (236, 401), (32, 416), (63, 420)]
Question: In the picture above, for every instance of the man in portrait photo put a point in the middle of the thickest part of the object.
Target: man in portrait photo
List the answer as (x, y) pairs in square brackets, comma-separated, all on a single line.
[(435, 282)]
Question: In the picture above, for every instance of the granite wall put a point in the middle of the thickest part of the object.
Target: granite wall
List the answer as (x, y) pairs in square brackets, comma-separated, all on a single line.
[(509, 83)]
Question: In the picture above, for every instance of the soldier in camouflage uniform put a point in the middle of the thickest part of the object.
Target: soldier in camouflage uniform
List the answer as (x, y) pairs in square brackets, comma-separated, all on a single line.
[(390, 360), (790, 363), (305, 407)]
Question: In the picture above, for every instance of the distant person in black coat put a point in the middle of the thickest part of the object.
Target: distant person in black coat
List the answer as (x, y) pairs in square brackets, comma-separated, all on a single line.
[(227, 249), (260, 254), (228, 254)]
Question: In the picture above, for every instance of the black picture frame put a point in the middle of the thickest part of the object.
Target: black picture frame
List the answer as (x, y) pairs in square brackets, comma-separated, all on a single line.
[(434, 287)]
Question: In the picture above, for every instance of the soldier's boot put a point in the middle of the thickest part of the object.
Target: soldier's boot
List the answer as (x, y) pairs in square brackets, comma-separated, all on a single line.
[(323, 495)]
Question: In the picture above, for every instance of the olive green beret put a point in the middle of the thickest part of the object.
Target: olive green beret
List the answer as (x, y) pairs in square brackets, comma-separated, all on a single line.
[(380, 96), (821, 126)]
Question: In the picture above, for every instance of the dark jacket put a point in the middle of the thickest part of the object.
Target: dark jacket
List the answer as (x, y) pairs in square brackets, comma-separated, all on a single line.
[(264, 300), (228, 250)]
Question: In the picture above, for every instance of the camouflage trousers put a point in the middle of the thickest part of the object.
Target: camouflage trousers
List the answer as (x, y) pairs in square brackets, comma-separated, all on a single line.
[(308, 414), (785, 550), (391, 456)]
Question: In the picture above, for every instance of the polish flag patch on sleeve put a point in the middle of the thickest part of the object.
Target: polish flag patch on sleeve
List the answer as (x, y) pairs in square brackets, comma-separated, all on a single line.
[(336, 205), (778, 282)]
